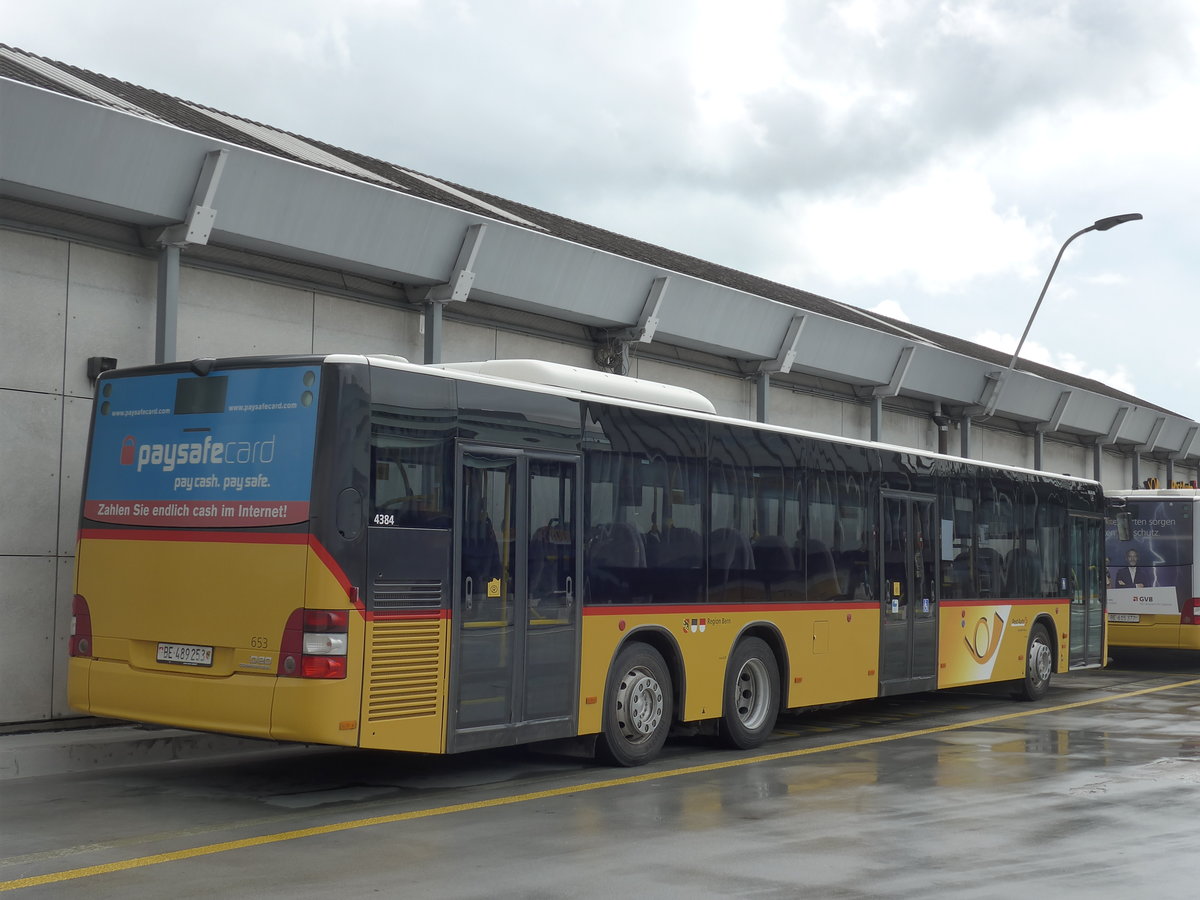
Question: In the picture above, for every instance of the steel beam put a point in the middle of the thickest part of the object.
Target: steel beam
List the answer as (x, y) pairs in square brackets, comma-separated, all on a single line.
[(166, 311)]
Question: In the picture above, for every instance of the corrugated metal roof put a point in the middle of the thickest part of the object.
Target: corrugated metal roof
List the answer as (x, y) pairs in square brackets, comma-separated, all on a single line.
[(463, 195), (77, 85), (295, 147)]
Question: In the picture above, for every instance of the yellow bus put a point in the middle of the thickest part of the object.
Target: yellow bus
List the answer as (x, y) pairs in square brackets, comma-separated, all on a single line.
[(1153, 600), (365, 552)]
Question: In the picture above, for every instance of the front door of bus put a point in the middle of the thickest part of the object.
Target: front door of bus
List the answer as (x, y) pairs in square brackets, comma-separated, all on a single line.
[(516, 613), (909, 606)]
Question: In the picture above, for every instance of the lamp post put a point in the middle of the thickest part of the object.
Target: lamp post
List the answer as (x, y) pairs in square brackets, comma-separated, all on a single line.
[(1099, 225)]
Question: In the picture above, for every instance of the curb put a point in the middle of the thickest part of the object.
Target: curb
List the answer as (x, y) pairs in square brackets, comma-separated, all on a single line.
[(41, 753)]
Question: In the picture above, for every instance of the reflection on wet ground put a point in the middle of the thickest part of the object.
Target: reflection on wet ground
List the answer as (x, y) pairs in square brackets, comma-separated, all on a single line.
[(1088, 793)]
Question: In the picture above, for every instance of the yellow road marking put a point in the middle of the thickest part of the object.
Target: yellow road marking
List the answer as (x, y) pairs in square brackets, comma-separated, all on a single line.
[(279, 837)]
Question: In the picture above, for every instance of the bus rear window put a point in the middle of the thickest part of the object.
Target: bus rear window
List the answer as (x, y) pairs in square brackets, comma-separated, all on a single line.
[(201, 395)]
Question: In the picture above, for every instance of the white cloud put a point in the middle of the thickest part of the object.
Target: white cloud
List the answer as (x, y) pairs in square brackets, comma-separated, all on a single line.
[(1117, 378), (892, 310), (941, 230)]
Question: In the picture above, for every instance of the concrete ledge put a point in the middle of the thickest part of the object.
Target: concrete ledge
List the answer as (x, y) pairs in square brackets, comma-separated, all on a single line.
[(40, 753)]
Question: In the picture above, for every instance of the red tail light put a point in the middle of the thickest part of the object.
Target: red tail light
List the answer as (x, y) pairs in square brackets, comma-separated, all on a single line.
[(314, 644), (81, 628), (1191, 612)]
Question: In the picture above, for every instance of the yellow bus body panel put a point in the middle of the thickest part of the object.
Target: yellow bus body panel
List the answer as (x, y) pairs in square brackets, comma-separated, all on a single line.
[(1154, 631), (832, 653), (234, 595), (404, 684), (986, 642)]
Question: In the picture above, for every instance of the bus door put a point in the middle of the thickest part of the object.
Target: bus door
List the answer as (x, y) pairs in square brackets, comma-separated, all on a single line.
[(515, 644), (909, 604), (1086, 566)]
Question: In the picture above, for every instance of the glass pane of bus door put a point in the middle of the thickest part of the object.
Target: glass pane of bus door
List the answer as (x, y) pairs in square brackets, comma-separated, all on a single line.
[(551, 611), (909, 606), (1086, 560), (486, 584)]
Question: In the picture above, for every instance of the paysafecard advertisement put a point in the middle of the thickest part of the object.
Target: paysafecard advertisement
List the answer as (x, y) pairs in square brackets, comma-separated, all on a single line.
[(230, 449)]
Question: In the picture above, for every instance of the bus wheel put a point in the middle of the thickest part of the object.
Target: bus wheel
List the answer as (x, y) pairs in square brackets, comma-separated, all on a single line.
[(1039, 663), (638, 706), (751, 695)]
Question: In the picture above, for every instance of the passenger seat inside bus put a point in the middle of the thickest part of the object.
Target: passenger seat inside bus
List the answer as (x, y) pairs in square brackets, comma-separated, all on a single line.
[(613, 550), (820, 572), (680, 549), (1024, 574), (728, 550)]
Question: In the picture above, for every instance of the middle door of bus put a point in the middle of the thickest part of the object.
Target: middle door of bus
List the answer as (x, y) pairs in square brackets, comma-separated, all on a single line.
[(909, 605), (515, 652), (1085, 549)]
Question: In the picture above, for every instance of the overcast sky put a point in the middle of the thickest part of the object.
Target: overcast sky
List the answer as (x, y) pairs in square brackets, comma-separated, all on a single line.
[(919, 158)]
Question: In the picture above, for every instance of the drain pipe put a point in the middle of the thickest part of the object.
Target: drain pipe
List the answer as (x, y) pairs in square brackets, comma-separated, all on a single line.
[(942, 422)]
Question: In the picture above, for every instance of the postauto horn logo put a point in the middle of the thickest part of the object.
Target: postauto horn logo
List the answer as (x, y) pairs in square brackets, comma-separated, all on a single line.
[(197, 453)]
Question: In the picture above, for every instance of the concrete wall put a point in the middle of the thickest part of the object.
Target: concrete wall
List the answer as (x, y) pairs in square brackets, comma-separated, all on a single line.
[(63, 301)]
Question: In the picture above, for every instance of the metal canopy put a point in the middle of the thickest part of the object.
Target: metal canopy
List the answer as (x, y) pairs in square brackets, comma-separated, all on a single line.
[(85, 157)]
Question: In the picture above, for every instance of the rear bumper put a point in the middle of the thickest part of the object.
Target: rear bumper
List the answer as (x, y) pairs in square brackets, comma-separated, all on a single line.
[(259, 706), (1165, 636)]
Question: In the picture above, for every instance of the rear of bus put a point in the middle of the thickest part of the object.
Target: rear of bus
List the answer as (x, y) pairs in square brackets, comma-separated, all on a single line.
[(215, 563), (1150, 545)]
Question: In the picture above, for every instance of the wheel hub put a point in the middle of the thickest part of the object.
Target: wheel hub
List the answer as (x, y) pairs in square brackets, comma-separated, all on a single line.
[(750, 691), (1039, 661), (639, 704)]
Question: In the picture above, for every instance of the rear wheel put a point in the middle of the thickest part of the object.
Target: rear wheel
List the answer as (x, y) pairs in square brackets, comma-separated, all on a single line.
[(638, 707), (1039, 663), (751, 695)]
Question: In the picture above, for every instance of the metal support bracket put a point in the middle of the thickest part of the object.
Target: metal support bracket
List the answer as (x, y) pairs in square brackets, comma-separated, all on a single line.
[(613, 344), (1114, 431), (1056, 417), (782, 363), (198, 225), (990, 397), (1189, 441), (892, 388), (647, 323), (1152, 439), (462, 276)]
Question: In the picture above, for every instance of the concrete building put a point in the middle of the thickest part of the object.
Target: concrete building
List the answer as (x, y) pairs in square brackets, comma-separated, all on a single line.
[(137, 227)]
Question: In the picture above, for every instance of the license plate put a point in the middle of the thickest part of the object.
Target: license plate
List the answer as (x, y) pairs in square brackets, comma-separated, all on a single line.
[(184, 654), (1124, 617)]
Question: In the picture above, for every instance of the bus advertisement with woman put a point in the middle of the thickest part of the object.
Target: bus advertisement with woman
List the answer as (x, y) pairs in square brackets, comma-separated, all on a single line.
[(1150, 560)]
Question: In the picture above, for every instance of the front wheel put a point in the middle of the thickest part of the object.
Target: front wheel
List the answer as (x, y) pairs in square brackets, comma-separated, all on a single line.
[(751, 695), (638, 707), (1039, 663)]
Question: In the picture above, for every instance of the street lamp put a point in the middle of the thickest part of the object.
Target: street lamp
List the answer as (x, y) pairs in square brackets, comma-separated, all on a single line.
[(1098, 225)]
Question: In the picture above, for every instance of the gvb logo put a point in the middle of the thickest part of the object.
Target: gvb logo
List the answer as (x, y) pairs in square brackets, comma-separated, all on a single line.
[(128, 450)]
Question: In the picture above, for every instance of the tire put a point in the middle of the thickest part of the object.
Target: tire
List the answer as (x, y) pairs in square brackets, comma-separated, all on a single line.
[(1039, 664), (638, 707), (751, 698)]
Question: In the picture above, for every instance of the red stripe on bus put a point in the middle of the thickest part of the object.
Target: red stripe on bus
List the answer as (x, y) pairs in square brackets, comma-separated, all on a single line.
[(352, 593)]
